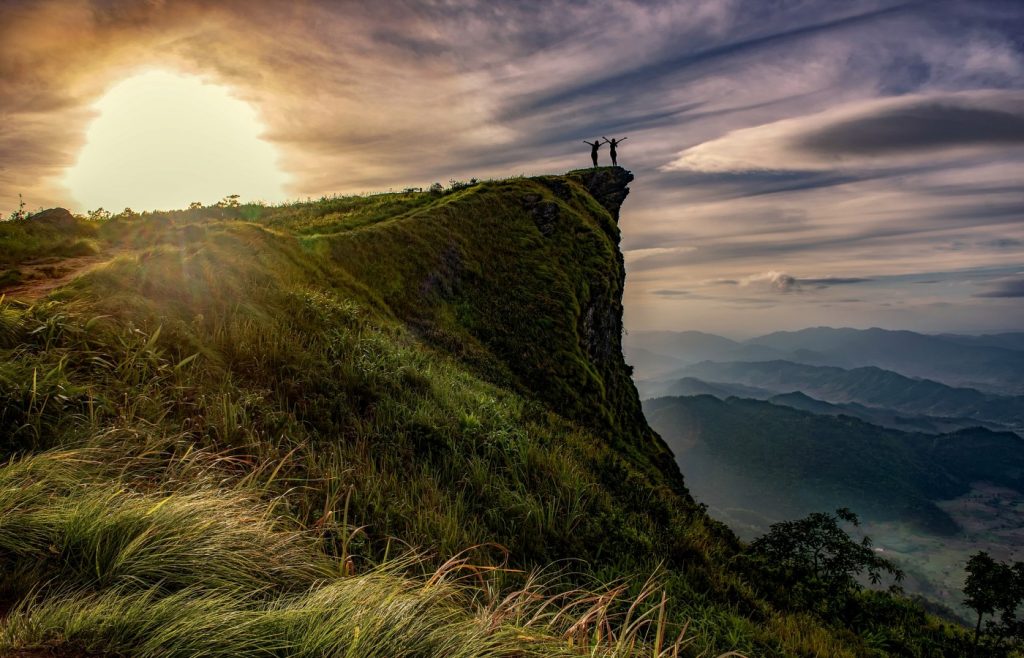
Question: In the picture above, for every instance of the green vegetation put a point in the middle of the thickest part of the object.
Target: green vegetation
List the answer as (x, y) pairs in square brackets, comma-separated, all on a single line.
[(390, 425), (887, 475), (49, 235), (995, 587), (814, 564)]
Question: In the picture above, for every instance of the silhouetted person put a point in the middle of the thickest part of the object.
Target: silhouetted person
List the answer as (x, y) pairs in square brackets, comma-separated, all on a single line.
[(613, 143), (594, 145)]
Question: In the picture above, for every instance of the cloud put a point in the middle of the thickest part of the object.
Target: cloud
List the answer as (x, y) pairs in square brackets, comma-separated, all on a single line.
[(1009, 288), (816, 136), (1004, 243), (832, 281), (925, 125), (878, 133), (785, 283), (777, 281)]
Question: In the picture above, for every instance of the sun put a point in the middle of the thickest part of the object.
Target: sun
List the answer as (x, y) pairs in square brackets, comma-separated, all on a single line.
[(162, 140)]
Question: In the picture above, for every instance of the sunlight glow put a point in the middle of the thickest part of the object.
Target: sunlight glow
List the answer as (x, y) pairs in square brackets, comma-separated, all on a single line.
[(162, 140)]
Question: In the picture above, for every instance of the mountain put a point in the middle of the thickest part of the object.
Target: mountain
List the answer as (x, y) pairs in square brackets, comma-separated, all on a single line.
[(991, 363), (652, 353), (798, 400), (956, 361), (877, 416), (1009, 341), (736, 453), (694, 386), (927, 501), (296, 430), (648, 364), (684, 345), (870, 386)]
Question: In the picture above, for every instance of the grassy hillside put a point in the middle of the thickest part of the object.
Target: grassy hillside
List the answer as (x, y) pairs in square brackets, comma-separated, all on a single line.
[(390, 425)]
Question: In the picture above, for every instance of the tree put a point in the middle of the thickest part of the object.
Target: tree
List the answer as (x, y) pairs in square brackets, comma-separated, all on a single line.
[(99, 215), (995, 587), (20, 213), (814, 563)]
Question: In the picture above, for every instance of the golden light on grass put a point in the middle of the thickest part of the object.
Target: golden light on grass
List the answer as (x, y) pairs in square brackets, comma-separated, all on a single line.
[(162, 140)]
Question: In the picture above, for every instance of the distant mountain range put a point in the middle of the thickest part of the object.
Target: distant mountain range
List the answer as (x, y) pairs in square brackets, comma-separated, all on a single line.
[(916, 433), (797, 400), (991, 363), (868, 386), (883, 417), (778, 462)]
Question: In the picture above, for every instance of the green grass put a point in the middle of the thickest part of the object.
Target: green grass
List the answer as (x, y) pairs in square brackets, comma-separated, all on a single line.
[(24, 240), (102, 566), (229, 439)]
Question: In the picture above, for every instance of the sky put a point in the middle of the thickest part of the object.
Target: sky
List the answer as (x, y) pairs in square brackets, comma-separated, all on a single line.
[(797, 163)]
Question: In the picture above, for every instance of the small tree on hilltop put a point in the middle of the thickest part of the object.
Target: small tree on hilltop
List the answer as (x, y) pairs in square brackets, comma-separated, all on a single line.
[(814, 564)]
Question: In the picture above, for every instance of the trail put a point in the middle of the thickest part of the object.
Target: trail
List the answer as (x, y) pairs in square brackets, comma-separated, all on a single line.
[(41, 276)]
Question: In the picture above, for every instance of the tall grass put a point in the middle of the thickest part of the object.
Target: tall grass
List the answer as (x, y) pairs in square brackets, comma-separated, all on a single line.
[(101, 567)]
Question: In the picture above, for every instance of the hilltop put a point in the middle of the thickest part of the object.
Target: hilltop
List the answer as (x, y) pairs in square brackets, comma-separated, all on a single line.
[(397, 424)]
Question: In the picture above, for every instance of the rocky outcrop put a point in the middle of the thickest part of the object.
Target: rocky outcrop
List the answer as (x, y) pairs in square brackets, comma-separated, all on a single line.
[(606, 184), (56, 217)]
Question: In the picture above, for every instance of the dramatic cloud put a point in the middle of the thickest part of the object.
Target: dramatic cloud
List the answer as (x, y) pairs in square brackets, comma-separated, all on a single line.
[(881, 133), (801, 139), (926, 125), (1007, 288)]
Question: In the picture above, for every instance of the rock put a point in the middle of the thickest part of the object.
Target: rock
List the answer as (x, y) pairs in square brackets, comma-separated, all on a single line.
[(57, 217), (609, 185)]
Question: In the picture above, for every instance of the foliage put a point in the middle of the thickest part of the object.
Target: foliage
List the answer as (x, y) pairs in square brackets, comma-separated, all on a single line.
[(995, 587), (813, 564)]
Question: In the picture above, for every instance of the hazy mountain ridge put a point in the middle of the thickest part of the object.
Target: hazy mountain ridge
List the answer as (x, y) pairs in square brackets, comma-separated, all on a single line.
[(880, 416), (994, 363), (870, 386)]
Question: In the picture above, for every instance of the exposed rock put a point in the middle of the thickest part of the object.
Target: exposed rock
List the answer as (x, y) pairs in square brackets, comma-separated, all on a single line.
[(58, 217), (606, 184)]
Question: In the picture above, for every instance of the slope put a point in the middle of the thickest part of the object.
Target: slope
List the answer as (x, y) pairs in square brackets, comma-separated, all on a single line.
[(227, 440)]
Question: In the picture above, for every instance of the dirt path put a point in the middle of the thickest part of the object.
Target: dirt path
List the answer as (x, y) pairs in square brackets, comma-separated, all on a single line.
[(39, 277)]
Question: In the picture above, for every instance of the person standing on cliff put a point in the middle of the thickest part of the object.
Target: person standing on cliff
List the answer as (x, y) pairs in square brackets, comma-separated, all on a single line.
[(596, 144), (613, 143)]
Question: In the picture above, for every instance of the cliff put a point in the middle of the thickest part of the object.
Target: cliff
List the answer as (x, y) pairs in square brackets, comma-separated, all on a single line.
[(218, 436), (524, 279)]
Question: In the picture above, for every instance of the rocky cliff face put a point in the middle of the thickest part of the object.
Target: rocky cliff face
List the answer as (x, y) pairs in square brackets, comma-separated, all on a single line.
[(600, 326), (608, 185)]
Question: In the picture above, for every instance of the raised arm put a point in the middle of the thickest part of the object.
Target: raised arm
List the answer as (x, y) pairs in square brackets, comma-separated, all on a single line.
[(624, 139)]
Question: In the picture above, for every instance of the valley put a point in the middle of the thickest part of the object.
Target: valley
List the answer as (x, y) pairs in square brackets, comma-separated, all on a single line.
[(935, 471)]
